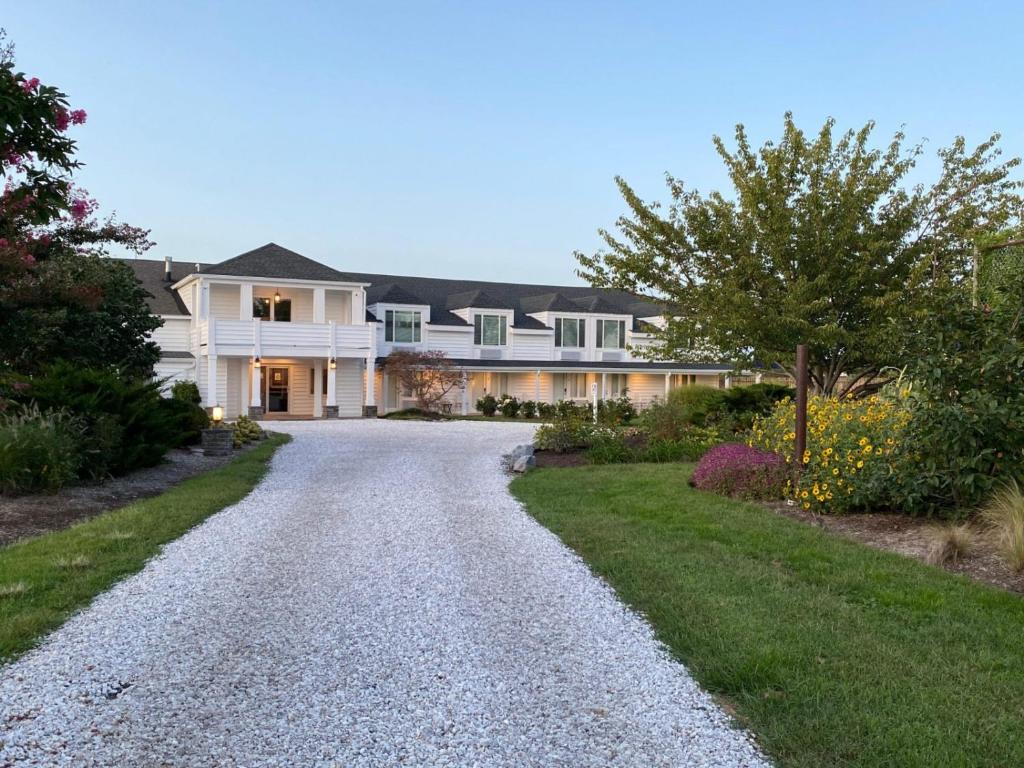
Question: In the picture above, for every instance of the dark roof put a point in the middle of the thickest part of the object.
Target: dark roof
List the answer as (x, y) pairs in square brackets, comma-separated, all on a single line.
[(389, 293), (271, 260), (476, 299), (170, 353), (162, 300), (598, 304), (548, 302), (532, 365)]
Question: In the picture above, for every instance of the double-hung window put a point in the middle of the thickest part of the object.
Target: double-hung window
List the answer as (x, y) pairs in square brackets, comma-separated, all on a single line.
[(403, 326), (490, 330), (611, 334), (570, 332)]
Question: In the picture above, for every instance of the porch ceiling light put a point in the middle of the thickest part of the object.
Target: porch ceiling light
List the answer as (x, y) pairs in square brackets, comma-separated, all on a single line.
[(277, 297)]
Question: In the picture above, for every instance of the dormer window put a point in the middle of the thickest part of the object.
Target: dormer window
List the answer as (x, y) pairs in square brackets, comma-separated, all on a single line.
[(403, 326), (611, 334), (490, 330), (570, 332)]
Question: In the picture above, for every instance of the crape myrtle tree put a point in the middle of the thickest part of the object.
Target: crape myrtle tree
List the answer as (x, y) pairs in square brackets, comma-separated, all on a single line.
[(820, 241), (428, 376), (60, 298)]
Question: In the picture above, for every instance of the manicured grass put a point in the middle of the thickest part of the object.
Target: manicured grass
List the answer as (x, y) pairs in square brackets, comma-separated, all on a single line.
[(833, 653), (43, 580)]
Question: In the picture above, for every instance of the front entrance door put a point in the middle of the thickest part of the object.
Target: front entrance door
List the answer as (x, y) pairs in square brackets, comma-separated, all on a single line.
[(277, 390)]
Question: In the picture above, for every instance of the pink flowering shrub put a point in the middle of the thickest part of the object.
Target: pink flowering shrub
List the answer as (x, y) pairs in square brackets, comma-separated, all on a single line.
[(737, 470)]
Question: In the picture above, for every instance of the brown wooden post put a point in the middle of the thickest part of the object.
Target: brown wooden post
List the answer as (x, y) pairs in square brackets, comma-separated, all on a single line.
[(801, 405)]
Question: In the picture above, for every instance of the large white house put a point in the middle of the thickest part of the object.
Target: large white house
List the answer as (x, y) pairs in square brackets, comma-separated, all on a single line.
[(272, 333)]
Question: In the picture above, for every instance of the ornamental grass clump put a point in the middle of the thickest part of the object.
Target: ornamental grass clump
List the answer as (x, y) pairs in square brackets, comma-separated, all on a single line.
[(1003, 515), (738, 470), (854, 448)]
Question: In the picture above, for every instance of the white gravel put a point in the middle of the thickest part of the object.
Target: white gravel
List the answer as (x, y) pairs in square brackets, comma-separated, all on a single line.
[(380, 599)]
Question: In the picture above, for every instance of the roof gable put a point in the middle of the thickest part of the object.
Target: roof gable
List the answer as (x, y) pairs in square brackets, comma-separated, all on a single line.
[(389, 293), (598, 304), (274, 261), (477, 299)]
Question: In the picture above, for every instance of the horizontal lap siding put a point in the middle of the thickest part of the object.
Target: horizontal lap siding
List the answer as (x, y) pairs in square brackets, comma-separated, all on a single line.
[(644, 388), (349, 387), (224, 301), (532, 346), (173, 370), (455, 344), (338, 307), (173, 335)]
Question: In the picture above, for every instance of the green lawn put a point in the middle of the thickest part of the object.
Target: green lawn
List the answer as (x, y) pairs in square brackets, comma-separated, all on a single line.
[(833, 653), (45, 579)]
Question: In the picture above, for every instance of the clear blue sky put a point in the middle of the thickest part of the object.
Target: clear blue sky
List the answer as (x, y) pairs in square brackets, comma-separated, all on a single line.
[(476, 139)]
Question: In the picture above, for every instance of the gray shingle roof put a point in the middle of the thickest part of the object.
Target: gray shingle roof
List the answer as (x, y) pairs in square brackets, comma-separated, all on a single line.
[(162, 300), (477, 299), (548, 302), (271, 260), (389, 293)]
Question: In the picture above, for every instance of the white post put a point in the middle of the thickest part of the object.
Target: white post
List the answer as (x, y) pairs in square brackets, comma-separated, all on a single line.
[(245, 301), (256, 399), (604, 386), (758, 378), (465, 393), (668, 384), (384, 390), (593, 395), (536, 387), (318, 398), (243, 399), (211, 381), (728, 381), (371, 380), (319, 302)]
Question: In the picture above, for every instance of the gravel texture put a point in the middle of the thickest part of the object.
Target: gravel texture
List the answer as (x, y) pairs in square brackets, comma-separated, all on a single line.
[(379, 599)]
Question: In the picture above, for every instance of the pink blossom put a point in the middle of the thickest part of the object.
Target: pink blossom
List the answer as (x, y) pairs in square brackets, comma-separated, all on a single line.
[(79, 209), (30, 84), (61, 119), (78, 116)]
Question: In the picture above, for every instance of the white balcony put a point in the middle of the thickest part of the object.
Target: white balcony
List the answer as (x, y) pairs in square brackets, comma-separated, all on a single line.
[(249, 338)]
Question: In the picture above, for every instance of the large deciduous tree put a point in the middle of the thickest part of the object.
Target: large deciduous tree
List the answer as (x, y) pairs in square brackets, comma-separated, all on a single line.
[(60, 298), (820, 241)]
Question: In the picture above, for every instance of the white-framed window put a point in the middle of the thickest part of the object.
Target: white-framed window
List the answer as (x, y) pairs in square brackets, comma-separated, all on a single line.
[(611, 334), (490, 330), (570, 332), (403, 326), (575, 386)]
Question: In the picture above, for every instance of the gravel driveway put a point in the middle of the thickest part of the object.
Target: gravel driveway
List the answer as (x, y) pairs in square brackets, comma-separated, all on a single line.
[(378, 600)]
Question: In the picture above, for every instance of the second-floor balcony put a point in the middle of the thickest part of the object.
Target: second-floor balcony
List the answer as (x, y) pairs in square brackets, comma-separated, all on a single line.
[(256, 338)]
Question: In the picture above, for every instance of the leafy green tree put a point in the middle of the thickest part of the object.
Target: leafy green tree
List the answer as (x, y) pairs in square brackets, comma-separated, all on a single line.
[(59, 297), (820, 242)]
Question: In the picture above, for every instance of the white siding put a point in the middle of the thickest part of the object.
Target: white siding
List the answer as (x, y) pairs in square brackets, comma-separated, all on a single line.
[(338, 307), (644, 388), (454, 343), (173, 370), (233, 382), (224, 301), (533, 346), (173, 335), (349, 387)]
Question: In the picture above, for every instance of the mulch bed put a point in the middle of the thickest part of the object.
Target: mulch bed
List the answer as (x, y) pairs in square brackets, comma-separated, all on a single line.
[(909, 536), (32, 515), (577, 458)]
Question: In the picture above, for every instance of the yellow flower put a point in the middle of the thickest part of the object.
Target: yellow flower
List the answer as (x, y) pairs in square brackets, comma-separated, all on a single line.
[(863, 441), (803, 495), (860, 464), (835, 471), (868, 449)]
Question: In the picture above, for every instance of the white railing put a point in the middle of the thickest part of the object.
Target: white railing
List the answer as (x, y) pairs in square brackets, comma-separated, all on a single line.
[(270, 339)]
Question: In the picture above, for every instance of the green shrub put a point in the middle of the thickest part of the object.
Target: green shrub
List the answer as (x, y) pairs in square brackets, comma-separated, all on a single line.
[(487, 405), (698, 403), (39, 451), (614, 411), (546, 410), (529, 409), (245, 430), (125, 427), (610, 446), (568, 430), (509, 406), (186, 391), (191, 419)]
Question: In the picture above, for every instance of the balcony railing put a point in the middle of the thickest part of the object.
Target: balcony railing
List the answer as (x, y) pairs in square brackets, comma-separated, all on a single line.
[(269, 339)]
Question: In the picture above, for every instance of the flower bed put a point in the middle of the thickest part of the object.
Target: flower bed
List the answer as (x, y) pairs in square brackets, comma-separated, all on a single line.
[(738, 470)]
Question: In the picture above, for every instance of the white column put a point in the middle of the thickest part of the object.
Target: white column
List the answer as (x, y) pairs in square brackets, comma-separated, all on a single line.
[(245, 301), (211, 381), (318, 398), (243, 400), (604, 386), (465, 393), (319, 298), (536, 387), (758, 378), (255, 395), (384, 391), (371, 380), (332, 373), (668, 384), (728, 381)]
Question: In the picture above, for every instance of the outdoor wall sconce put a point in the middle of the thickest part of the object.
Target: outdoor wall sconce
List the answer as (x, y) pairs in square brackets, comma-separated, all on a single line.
[(332, 363), (277, 297), (256, 363), (217, 414)]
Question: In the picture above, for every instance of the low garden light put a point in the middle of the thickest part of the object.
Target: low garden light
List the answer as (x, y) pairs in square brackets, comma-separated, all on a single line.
[(217, 415)]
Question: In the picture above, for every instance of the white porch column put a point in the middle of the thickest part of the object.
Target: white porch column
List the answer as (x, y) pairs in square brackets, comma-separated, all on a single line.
[(536, 387), (668, 384), (758, 378), (245, 301), (465, 393), (211, 381), (319, 298), (243, 399), (604, 386), (332, 374), (370, 409), (318, 399), (255, 398)]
